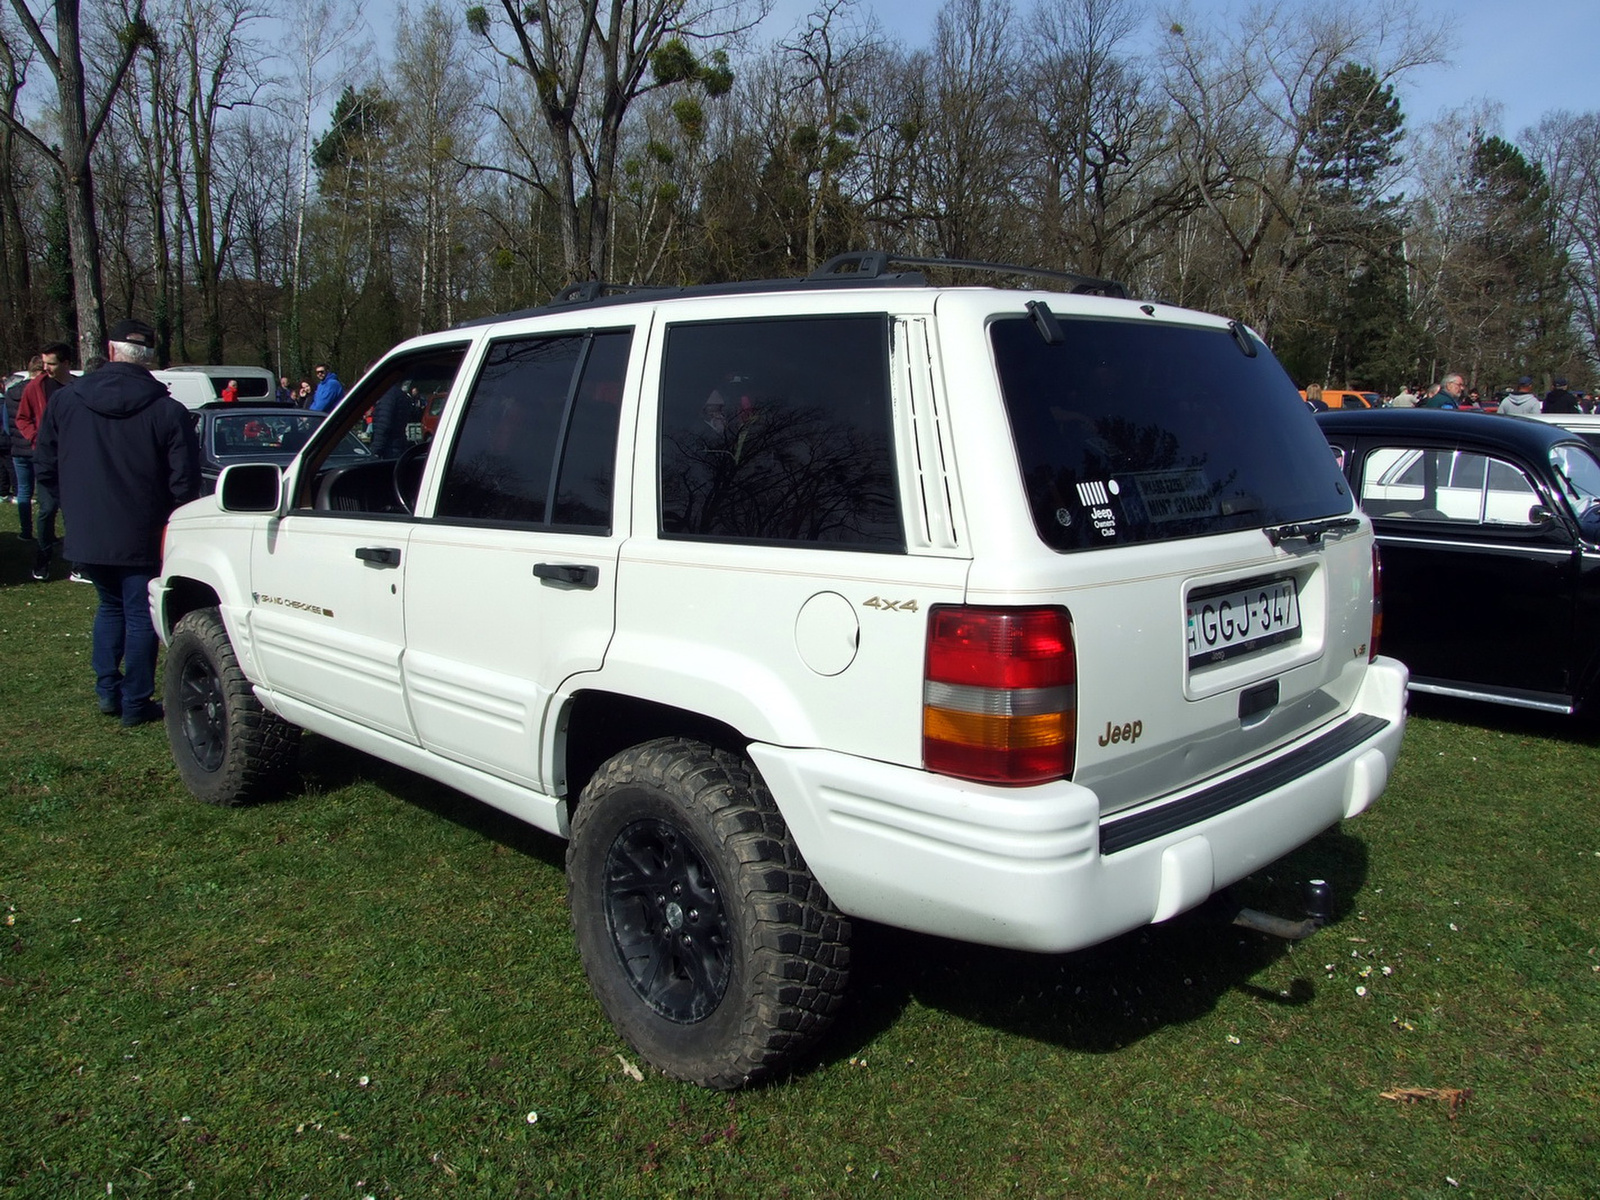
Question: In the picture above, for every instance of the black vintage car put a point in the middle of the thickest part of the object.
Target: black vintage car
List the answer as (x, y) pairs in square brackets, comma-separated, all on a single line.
[(1489, 536), (274, 433)]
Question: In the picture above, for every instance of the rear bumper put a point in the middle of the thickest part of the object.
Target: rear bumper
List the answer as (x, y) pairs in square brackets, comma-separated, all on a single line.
[(1037, 868)]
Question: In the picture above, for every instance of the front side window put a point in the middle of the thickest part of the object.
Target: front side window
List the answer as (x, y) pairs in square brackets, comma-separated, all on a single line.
[(779, 431), (537, 444), (365, 456), (1131, 432)]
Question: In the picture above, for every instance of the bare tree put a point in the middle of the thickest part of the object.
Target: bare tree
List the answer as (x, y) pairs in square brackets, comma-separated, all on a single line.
[(17, 328), (1567, 146), (328, 40), (1247, 105), (437, 138), (829, 59), (79, 123), (970, 161), (1101, 158), (589, 61)]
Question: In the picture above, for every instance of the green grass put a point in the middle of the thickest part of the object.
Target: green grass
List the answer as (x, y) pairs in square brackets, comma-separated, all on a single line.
[(367, 988)]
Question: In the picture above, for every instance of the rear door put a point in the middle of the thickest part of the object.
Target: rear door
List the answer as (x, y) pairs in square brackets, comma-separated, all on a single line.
[(511, 583), (1153, 457)]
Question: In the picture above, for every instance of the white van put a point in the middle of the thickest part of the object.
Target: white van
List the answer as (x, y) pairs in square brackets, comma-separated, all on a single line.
[(194, 386)]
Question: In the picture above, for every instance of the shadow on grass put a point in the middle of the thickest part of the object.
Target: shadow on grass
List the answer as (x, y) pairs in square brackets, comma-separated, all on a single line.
[(1096, 1001), (1110, 996), (326, 765)]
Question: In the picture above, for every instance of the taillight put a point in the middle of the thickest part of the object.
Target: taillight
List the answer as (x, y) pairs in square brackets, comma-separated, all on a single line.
[(999, 698), (1377, 605)]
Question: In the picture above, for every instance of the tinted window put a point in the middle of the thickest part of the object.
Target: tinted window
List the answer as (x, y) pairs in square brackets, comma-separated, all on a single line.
[(779, 431), (539, 403), (1132, 432)]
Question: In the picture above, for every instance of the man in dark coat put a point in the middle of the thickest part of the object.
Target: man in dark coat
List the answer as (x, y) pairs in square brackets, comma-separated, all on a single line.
[(1558, 399), (121, 454)]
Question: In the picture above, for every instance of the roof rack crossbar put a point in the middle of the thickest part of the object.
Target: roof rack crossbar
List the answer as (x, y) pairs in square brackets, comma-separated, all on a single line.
[(872, 263)]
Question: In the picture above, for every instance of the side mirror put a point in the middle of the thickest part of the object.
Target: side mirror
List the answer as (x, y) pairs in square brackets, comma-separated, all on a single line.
[(1540, 515), (250, 488)]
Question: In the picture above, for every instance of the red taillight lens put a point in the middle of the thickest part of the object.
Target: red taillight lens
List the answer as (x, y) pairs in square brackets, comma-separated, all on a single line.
[(1000, 694), (1377, 605)]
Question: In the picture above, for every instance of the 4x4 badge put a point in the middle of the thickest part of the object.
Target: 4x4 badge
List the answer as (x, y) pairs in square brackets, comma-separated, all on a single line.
[(890, 605)]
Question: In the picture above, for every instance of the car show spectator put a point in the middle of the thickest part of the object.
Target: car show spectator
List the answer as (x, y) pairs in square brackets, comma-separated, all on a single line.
[(122, 454), (8, 418), (1406, 399), (284, 395), (329, 389), (1558, 399), (1522, 402), (36, 503), (1446, 393), (230, 393)]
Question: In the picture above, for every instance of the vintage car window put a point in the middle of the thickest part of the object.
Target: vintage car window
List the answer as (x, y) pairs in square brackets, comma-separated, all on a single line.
[(1579, 474), (539, 402), (1143, 431), (1437, 484), (778, 431), (1468, 470)]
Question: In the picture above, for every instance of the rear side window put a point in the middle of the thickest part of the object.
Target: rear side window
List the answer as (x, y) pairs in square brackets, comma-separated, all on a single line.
[(1129, 432), (778, 431)]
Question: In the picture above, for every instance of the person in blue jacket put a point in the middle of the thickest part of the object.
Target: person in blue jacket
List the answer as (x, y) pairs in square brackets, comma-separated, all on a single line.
[(120, 454), (329, 389)]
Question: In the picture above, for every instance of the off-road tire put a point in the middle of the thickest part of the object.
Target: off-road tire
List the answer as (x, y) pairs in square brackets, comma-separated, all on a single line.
[(746, 973), (227, 747)]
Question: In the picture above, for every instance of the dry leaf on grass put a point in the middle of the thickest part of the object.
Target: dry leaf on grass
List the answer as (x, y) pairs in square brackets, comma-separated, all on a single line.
[(1454, 1098)]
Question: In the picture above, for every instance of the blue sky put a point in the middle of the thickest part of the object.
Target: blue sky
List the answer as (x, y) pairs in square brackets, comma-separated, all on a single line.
[(1532, 57)]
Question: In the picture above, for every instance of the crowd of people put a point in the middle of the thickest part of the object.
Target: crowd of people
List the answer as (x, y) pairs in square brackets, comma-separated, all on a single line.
[(1453, 391), (111, 454)]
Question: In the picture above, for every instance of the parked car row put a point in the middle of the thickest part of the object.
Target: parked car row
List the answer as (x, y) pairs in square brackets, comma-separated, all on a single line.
[(1498, 519)]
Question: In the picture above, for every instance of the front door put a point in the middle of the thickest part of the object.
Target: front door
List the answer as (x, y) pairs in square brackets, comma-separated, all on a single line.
[(1476, 590), (327, 617)]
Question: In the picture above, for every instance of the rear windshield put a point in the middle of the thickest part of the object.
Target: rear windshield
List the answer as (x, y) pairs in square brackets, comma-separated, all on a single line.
[(1131, 432)]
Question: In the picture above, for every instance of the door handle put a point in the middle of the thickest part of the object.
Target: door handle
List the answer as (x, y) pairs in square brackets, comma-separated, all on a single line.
[(384, 556), (571, 574)]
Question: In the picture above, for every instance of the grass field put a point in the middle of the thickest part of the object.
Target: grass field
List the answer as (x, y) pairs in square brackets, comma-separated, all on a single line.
[(370, 989)]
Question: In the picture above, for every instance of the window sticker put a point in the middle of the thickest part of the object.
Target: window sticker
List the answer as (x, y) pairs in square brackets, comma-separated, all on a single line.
[(1095, 495), (1180, 495)]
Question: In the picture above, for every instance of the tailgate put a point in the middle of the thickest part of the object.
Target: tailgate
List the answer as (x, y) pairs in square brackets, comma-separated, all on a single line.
[(1196, 657)]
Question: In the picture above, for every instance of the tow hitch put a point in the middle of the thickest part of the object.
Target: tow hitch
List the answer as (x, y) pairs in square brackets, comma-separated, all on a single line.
[(1319, 911)]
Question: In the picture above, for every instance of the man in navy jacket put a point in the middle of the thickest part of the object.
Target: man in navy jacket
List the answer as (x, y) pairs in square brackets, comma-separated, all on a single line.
[(120, 453)]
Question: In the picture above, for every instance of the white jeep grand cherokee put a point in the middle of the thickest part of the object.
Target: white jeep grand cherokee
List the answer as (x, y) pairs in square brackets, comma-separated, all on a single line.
[(1021, 617)]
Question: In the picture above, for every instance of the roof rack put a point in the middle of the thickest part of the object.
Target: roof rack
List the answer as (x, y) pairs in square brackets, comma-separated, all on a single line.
[(871, 264), (858, 268)]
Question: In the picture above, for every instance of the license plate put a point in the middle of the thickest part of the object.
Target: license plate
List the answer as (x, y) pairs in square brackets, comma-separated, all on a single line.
[(1225, 624)]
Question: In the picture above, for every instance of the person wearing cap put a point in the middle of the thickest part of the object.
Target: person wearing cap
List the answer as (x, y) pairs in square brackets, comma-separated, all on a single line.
[(123, 454), (1558, 399), (1522, 402)]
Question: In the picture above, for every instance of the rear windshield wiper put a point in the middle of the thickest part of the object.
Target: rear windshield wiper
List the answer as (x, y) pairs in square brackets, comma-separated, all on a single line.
[(1312, 531)]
